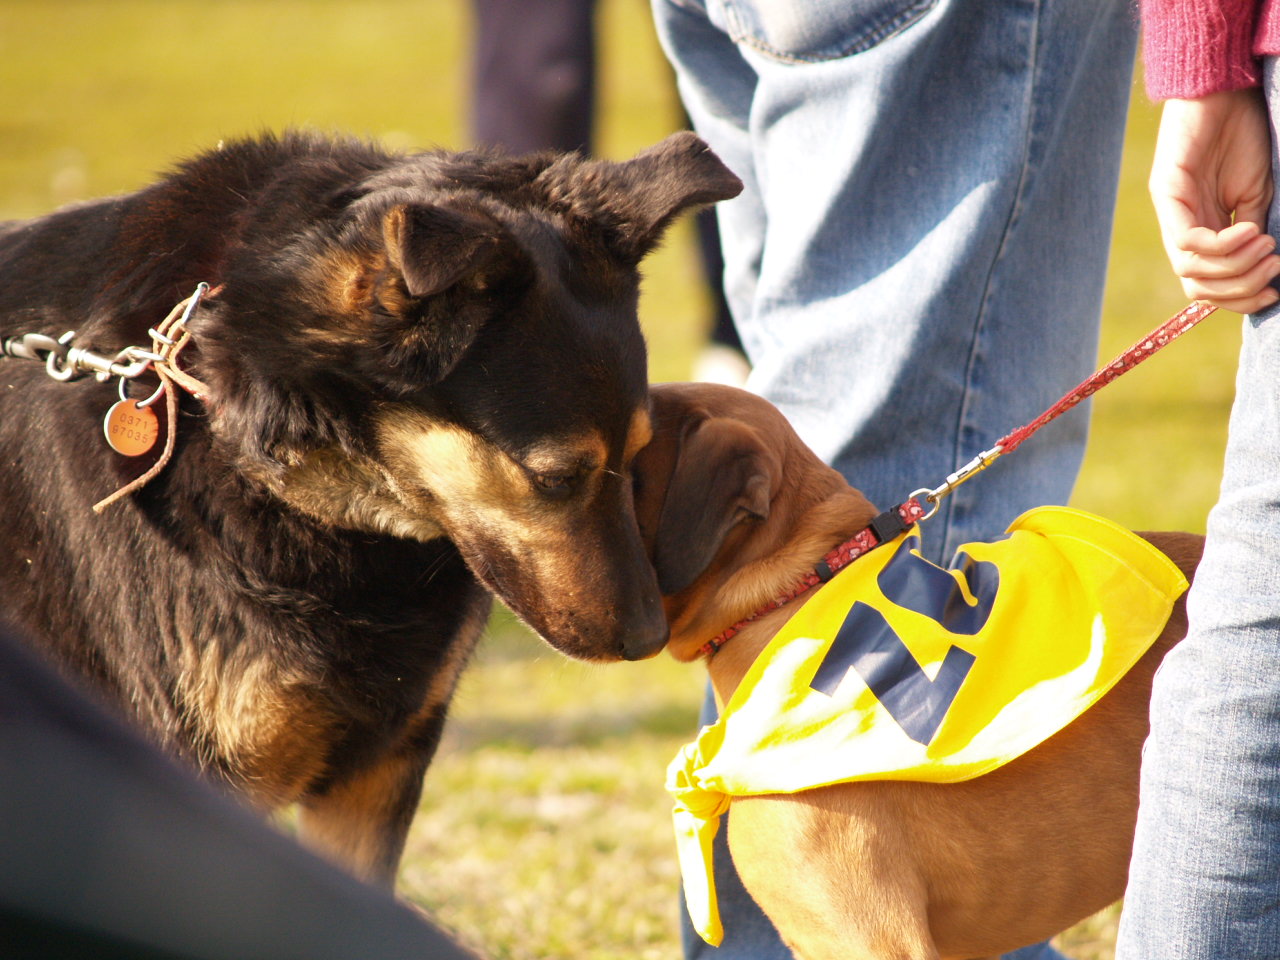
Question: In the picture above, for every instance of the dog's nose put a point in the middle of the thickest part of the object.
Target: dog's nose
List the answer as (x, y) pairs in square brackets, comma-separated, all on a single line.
[(644, 642)]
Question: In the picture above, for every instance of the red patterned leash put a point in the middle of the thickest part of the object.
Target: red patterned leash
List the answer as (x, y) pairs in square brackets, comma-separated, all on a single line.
[(1161, 337), (901, 518)]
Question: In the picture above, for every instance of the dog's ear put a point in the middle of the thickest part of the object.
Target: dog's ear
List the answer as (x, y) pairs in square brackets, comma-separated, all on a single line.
[(636, 200), (718, 474), (437, 257), (433, 247)]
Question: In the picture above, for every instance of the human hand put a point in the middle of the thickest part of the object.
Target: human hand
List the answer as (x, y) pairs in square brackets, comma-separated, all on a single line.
[(1211, 187)]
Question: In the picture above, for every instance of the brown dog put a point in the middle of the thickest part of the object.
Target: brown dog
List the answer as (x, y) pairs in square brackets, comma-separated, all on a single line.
[(736, 510)]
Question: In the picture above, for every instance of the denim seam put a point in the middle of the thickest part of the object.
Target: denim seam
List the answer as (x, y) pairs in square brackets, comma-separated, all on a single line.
[(976, 352), (866, 40)]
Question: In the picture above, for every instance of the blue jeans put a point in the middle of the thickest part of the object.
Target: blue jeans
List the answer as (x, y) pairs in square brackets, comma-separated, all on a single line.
[(1205, 877), (917, 260)]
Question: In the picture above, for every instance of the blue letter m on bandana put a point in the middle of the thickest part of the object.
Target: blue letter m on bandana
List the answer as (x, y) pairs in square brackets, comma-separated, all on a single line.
[(867, 643)]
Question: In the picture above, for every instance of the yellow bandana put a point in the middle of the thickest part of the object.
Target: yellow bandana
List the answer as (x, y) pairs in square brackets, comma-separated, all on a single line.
[(901, 670)]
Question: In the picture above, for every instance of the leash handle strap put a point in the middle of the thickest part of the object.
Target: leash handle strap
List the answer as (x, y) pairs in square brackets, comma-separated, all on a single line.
[(1162, 336)]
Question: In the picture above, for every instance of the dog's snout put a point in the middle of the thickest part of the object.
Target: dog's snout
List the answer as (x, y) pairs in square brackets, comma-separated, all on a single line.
[(644, 631)]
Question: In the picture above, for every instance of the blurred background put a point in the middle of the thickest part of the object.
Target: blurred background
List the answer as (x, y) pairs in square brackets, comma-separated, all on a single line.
[(544, 830)]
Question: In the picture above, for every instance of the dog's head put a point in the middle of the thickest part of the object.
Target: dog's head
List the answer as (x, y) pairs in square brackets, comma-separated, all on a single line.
[(732, 506), (449, 346)]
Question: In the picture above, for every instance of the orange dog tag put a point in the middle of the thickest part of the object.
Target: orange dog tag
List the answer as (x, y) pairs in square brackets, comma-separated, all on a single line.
[(131, 430)]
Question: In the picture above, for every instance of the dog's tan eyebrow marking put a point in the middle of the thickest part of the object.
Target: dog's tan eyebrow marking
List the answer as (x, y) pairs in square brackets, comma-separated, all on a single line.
[(639, 434), (583, 453)]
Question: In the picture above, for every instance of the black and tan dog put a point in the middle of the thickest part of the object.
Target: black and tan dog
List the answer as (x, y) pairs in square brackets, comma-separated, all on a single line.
[(737, 510), (422, 375)]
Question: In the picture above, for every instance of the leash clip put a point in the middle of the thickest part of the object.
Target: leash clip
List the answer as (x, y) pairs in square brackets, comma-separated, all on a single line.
[(935, 496), (64, 362), (34, 346), (79, 361)]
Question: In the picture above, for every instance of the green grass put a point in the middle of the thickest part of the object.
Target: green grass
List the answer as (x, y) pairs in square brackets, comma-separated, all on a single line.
[(544, 830)]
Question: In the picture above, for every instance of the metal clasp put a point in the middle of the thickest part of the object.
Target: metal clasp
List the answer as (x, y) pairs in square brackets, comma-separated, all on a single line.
[(976, 465), (33, 346), (79, 361), (64, 362)]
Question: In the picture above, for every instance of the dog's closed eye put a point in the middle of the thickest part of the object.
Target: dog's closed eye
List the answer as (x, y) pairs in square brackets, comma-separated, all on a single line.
[(560, 468), (557, 485)]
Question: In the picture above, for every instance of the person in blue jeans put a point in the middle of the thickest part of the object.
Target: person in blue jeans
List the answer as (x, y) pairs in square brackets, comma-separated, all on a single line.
[(533, 72), (1204, 883), (916, 263)]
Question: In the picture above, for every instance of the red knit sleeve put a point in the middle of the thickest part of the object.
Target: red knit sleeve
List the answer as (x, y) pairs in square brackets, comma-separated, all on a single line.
[(1196, 47), (1266, 37)]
